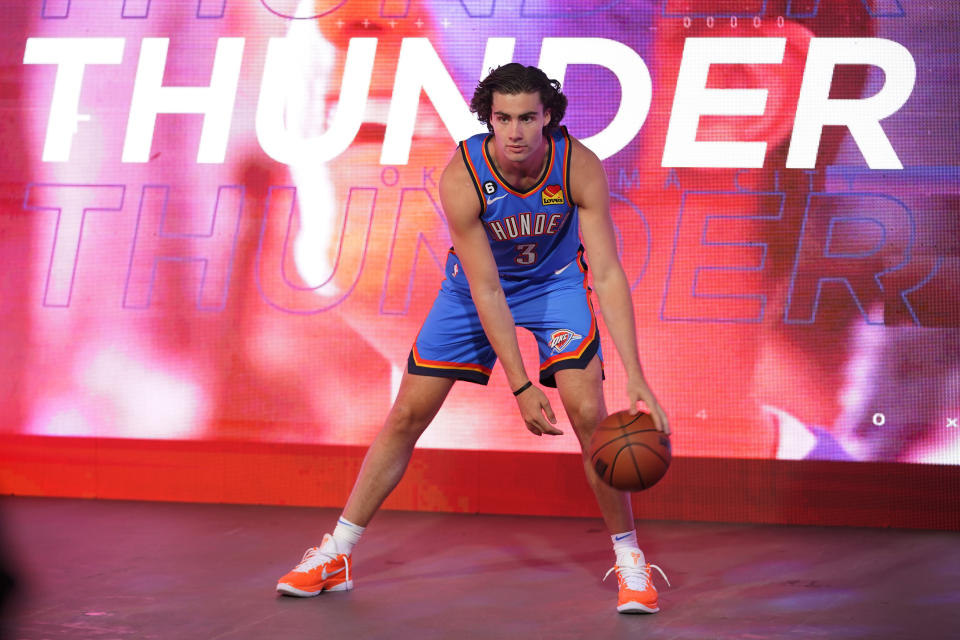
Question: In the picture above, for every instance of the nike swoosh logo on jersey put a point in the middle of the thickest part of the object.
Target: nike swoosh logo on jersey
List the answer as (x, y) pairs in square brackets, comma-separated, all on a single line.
[(561, 269), (492, 200), (326, 575)]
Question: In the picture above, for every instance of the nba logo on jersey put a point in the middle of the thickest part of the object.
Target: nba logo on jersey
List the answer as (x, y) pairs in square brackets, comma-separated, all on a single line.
[(560, 338), (552, 194)]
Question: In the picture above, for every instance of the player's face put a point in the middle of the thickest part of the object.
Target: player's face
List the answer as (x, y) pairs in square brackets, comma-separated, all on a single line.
[(518, 121)]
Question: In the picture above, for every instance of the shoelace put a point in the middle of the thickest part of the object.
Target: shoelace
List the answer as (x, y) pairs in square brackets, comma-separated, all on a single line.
[(313, 558), (636, 577)]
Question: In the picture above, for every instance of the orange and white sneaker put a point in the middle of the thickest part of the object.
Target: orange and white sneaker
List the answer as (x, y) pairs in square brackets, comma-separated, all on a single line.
[(322, 568), (637, 593)]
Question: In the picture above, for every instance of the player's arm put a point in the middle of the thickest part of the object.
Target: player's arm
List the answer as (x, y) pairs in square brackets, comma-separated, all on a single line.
[(462, 208), (589, 189)]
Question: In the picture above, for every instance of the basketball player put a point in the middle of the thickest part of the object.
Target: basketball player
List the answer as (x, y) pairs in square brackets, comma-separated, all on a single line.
[(518, 203)]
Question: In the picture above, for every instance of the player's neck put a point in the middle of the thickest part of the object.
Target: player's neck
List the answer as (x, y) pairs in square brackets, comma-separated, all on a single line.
[(521, 174)]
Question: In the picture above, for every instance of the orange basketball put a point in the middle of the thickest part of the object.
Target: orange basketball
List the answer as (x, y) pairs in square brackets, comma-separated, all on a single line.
[(628, 452)]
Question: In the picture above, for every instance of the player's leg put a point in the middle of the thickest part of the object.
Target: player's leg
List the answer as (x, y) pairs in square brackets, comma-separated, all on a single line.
[(328, 567), (418, 401), (582, 396), (562, 319), (451, 346), (581, 392)]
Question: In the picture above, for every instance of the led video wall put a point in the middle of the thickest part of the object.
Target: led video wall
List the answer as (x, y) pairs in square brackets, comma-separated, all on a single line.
[(221, 218)]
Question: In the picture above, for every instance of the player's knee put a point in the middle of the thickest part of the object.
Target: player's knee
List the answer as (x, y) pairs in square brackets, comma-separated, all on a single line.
[(585, 416), (405, 419)]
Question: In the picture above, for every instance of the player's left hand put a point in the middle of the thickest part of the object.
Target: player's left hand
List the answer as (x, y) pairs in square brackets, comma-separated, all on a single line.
[(639, 391)]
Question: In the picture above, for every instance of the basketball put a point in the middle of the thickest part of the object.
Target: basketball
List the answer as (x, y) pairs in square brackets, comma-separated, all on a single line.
[(628, 452)]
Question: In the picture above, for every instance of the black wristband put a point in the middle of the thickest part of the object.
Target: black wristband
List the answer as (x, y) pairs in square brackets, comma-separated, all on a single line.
[(523, 388)]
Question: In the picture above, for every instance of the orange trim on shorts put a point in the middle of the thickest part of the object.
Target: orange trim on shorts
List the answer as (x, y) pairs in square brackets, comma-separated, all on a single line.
[(455, 366)]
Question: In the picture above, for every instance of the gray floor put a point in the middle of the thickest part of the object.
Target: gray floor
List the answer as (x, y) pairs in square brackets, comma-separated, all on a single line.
[(101, 569)]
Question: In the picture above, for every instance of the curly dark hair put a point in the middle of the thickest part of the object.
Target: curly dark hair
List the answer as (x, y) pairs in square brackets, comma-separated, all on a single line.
[(515, 78)]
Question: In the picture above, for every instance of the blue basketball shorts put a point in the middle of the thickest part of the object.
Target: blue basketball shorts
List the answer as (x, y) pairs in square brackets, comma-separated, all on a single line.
[(558, 311)]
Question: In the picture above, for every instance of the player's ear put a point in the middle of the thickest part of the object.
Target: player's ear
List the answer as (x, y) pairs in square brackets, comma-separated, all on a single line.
[(782, 82)]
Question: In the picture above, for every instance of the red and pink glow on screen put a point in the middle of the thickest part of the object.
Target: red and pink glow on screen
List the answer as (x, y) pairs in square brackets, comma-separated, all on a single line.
[(221, 218)]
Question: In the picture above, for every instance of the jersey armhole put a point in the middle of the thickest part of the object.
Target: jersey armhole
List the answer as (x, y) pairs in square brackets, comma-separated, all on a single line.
[(567, 157), (473, 176)]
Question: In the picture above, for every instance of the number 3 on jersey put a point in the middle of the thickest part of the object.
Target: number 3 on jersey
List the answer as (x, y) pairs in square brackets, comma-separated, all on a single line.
[(526, 253)]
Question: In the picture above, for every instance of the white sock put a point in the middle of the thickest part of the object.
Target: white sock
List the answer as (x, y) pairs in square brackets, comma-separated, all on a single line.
[(626, 541), (346, 534)]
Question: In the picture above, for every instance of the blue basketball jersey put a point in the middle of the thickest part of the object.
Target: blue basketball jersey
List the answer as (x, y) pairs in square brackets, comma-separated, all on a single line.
[(534, 232), (535, 238)]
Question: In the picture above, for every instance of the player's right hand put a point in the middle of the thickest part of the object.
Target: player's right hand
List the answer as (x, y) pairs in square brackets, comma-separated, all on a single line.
[(537, 412)]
